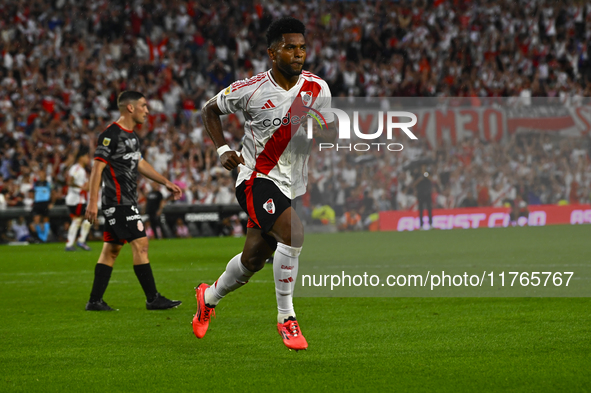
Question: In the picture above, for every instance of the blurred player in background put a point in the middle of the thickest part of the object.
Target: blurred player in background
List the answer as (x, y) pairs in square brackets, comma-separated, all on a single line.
[(117, 164), (44, 197), (154, 204), (76, 201), (265, 186), (424, 188)]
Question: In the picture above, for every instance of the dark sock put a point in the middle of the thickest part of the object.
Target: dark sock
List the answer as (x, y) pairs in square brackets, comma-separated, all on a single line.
[(102, 275), (146, 279)]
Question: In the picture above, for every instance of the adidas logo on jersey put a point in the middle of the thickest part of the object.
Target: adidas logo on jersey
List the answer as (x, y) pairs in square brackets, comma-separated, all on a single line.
[(268, 105)]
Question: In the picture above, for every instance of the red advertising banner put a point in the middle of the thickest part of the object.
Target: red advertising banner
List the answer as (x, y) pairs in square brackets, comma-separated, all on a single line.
[(486, 217)]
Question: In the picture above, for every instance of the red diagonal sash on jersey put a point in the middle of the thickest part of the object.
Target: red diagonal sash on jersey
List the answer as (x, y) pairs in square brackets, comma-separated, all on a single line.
[(275, 146)]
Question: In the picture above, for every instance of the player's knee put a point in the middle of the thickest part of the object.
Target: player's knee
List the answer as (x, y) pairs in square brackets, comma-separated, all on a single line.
[(109, 255), (141, 246), (253, 263), (143, 250), (113, 253), (296, 236), (291, 234)]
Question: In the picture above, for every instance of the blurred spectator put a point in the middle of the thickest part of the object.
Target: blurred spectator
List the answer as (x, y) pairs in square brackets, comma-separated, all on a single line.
[(3, 203), (237, 229), (60, 76), (20, 229), (40, 228), (43, 196), (351, 221), (519, 212), (181, 230), (469, 201), (324, 215)]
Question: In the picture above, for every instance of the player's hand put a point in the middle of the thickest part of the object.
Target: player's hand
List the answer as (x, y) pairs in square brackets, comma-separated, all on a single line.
[(177, 193), (91, 212), (231, 160)]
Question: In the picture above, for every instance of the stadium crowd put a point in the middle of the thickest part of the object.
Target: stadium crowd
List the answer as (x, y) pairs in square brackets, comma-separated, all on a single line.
[(63, 63)]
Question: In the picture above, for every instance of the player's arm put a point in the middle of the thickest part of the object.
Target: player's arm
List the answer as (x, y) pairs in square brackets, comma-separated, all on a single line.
[(329, 133), (161, 207), (324, 135), (94, 187), (148, 171), (53, 195), (213, 125)]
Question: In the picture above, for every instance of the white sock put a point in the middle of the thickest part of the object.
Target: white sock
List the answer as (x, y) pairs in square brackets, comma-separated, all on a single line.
[(74, 225), (84, 231), (235, 276), (285, 272)]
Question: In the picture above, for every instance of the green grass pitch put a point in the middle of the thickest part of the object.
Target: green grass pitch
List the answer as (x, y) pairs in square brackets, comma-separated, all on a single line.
[(48, 343)]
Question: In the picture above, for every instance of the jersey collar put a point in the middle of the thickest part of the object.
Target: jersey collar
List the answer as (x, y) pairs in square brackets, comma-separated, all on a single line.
[(125, 129), (274, 82)]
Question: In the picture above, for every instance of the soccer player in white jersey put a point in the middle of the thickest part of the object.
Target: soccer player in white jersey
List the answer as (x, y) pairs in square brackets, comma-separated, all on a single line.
[(272, 173), (76, 201)]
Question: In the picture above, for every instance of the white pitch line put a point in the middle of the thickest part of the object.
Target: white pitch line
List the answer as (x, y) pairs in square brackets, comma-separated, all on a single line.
[(50, 273)]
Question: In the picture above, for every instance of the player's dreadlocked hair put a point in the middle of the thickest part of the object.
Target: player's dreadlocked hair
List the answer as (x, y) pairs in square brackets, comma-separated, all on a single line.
[(127, 96), (285, 25)]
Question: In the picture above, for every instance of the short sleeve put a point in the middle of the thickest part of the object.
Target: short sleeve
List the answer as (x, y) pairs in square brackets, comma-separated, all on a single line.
[(233, 98), (105, 147), (324, 101)]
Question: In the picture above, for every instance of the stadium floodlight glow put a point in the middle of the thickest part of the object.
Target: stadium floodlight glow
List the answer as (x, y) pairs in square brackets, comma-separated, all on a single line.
[(345, 123)]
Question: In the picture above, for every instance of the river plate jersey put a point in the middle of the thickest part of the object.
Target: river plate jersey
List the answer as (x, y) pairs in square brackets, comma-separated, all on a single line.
[(78, 176), (120, 150), (275, 143)]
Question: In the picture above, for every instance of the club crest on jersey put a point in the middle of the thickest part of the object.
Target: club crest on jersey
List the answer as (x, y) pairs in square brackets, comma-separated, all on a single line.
[(106, 141), (306, 98), (269, 206)]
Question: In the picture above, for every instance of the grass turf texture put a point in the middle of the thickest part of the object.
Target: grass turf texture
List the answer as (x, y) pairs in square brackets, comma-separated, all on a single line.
[(49, 343)]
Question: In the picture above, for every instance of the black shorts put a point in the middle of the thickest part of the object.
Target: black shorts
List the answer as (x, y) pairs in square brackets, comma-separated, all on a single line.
[(122, 224), (77, 210), (40, 209), (263, 201)]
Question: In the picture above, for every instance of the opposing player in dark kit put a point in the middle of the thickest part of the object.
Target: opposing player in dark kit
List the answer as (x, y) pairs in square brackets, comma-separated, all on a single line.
[(117, 162), (273, 171)]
